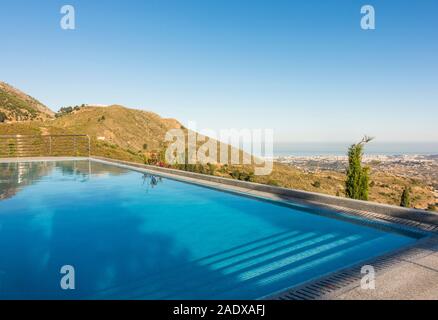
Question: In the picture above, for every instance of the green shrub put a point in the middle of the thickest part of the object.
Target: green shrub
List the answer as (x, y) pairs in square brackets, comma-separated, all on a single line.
[(316, 184), (274, 183), (3, 117), (211, 169), (405, 200), (235, 174), (132, 152), (357, 183), (224, 168)]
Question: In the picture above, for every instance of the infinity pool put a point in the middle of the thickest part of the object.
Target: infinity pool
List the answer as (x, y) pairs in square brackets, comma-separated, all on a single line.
[(130, 235)]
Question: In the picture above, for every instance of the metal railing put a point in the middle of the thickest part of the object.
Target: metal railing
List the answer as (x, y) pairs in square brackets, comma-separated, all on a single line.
[(44, 145)]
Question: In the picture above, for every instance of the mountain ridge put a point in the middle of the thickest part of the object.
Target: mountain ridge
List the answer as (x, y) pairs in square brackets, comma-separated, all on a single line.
[(16, 105)]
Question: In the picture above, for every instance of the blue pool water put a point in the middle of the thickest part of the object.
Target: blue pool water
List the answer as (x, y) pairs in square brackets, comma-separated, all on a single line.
[(132, 236)]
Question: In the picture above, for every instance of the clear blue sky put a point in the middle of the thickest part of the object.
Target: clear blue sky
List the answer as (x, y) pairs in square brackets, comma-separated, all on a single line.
[(304, 68)]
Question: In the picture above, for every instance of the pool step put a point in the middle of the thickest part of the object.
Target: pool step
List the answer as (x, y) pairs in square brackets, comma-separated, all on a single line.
[(263, 269), (266, 263)]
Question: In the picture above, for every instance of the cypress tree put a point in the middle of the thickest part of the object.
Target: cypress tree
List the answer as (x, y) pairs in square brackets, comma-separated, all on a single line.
[(406, 198), (357, 183)]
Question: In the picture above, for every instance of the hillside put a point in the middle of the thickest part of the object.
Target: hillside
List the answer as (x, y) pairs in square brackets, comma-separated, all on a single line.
[(18, 106), (116, 125), (115, 131), (134, 135)]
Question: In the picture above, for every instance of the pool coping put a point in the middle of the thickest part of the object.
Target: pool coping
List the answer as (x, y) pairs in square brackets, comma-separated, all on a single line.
[(333, 285)]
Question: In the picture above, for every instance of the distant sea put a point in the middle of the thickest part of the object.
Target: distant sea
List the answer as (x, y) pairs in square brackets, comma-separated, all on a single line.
[(339, 149)]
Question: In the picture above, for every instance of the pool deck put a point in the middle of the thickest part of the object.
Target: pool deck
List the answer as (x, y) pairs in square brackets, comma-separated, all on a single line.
[(408, 273), (412, 279)]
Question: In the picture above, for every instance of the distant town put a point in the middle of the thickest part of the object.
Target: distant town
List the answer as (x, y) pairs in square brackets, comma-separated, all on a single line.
[(421, 167)]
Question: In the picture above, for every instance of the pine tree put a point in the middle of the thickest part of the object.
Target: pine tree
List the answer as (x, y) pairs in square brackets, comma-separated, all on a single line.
[(406, 198), (357, 183)]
